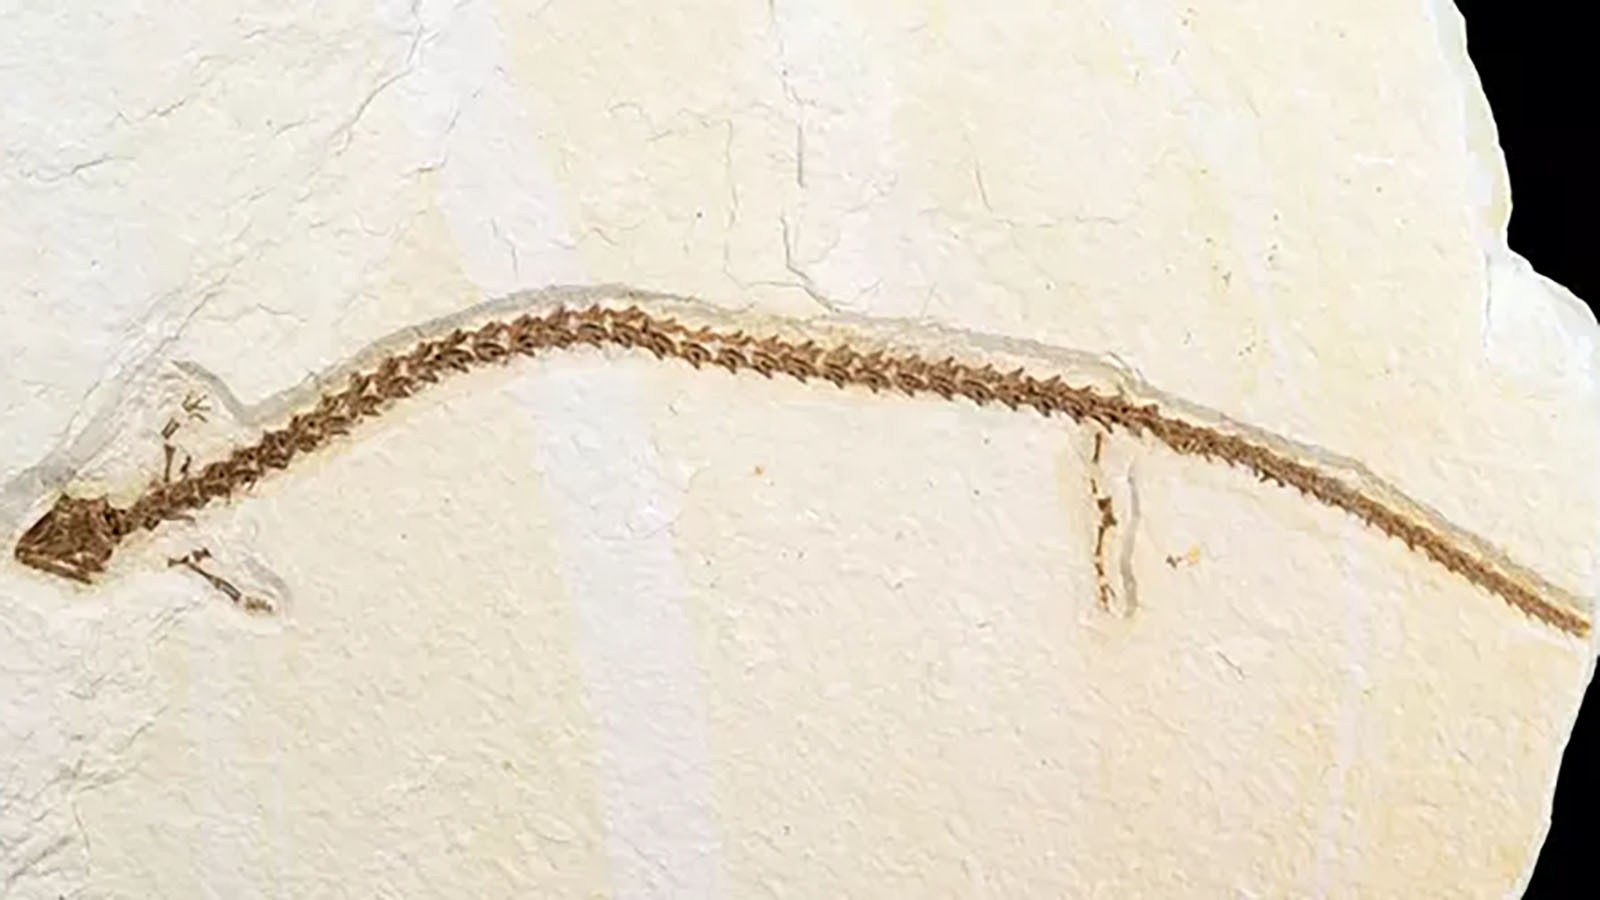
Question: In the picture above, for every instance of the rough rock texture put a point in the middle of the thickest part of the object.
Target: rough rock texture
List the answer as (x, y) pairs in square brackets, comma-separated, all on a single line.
[(594, 623)]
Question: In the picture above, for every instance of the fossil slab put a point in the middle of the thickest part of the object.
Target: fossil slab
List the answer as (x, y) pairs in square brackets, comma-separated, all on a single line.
[(1097, 449)]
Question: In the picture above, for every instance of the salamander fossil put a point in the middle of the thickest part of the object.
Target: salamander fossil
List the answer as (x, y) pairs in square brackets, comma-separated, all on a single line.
[(77, 537)]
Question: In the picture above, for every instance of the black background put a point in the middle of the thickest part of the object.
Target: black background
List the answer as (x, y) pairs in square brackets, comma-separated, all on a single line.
[(1537, 61)]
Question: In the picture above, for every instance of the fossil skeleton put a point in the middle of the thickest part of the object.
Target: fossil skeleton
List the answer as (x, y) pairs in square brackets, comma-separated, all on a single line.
[(77, 536)]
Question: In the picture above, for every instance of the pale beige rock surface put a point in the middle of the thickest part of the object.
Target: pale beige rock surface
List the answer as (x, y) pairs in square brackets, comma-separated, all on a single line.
[(597, 624)]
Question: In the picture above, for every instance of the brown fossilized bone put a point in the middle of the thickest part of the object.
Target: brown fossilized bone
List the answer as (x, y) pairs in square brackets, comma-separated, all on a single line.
[(77, 537), (74, 539)]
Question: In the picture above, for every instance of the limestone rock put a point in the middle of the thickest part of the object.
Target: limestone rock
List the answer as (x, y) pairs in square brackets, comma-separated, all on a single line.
[(1289, 595)]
